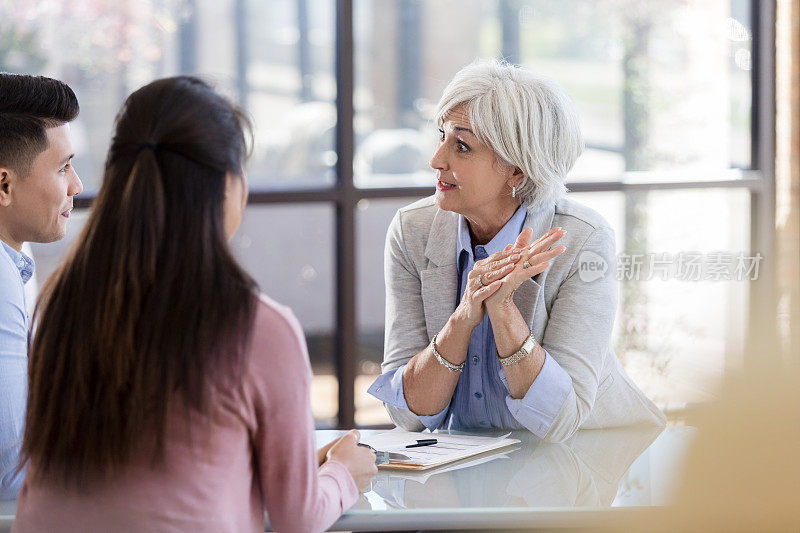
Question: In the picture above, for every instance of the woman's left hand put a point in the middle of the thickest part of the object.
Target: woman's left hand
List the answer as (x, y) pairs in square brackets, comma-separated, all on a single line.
[(535, 258), (322, 453)]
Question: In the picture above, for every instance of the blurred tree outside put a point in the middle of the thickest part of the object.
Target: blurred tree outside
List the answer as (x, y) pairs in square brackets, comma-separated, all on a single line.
[(19, 43)]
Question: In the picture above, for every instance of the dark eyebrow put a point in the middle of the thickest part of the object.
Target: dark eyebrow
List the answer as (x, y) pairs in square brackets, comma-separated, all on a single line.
[(66, 159), (460, 128)]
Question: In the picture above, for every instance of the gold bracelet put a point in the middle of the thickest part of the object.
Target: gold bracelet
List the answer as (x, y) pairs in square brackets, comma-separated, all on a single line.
[(527, 347)]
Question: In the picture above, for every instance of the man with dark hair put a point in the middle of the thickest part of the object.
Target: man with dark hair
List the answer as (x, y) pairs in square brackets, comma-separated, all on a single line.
[(37, 183)]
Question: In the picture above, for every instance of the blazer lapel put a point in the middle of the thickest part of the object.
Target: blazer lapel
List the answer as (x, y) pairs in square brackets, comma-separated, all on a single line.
[(440, 279), (529, 296)]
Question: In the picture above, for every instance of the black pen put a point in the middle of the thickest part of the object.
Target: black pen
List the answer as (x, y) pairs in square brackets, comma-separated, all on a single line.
[(423, 442)]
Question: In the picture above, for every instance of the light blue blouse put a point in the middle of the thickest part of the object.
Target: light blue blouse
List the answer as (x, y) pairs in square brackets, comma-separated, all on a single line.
[(482, 398)]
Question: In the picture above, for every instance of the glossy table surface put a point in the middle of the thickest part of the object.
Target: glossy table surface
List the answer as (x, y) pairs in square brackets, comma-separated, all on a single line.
[(590, 477), (587, 479)]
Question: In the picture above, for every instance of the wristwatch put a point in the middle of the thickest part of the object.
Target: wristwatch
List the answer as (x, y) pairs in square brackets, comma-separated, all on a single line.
[(527, 347)]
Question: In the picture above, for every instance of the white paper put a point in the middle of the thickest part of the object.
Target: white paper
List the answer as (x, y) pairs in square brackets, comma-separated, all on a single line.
[(448, 448)]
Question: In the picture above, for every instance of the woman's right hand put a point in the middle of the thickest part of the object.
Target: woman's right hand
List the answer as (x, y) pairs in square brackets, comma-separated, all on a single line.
[(483, 281), (359, 460)]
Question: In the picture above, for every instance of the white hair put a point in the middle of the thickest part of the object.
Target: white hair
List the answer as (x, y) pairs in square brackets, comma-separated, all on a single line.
[(526, 119)]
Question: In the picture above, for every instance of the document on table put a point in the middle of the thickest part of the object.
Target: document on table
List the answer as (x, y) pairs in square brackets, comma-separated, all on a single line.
[(421, 476), (449, 448)]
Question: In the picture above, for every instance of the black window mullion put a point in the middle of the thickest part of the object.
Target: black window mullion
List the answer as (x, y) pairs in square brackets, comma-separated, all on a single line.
[(344, 195), (346, 329)]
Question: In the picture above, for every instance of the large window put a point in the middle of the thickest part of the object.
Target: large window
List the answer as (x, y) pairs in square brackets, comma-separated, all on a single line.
[(665, 95), (674, 99)]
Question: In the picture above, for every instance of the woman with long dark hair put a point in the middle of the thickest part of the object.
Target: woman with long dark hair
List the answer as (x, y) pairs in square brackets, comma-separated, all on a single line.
[(166, 393)]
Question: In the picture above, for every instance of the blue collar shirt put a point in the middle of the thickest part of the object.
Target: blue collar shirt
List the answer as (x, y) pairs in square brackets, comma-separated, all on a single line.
[(482, 399), (16, 269)]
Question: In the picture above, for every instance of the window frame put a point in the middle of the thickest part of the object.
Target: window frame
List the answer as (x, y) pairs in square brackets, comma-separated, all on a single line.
[(344, 195)]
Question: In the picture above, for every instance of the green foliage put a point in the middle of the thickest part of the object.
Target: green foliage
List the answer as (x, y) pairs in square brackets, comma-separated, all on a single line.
[(19, 47)]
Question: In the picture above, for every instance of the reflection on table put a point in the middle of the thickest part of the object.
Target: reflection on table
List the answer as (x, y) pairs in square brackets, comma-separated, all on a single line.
[(533, 483)]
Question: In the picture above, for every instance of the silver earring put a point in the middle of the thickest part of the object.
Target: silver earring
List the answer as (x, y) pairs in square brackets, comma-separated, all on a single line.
[(514, 191)]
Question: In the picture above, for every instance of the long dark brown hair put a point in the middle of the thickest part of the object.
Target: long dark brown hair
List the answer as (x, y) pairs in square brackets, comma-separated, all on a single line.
[(150, 310)]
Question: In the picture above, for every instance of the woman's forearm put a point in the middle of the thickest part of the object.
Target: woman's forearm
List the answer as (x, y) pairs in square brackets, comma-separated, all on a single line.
[(510, 332), (427, 384)]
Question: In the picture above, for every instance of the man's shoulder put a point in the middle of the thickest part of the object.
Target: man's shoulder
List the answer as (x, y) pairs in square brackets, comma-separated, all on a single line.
[(11, 288), (13, 328)]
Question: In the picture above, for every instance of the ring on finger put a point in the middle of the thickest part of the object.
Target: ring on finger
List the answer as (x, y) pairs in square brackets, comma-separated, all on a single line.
[(526, 264), (480, 280)]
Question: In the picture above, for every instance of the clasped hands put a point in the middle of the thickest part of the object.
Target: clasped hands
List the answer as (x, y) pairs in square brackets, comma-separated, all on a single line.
[(493, 280)]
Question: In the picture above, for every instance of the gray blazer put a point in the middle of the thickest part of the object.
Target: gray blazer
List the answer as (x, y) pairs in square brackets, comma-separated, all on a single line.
[(570, 308)]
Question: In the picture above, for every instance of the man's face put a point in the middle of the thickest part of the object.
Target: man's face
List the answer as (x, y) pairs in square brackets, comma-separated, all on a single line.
[(35, 208)]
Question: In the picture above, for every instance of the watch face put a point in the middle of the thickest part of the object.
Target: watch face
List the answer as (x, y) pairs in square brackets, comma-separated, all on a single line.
[(529, 344)]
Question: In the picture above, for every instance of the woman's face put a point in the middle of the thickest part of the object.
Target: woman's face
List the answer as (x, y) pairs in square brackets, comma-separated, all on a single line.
[(234, 203), (470, 179)]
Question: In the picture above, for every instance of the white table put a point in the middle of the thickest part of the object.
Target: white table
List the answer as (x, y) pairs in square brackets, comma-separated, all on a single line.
[(591, 478)]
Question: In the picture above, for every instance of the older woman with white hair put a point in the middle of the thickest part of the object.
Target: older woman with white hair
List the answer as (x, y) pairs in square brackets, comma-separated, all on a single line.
[(485, 329)]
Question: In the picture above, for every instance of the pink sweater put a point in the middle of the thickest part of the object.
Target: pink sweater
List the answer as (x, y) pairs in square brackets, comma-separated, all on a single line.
[(258, 454)]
